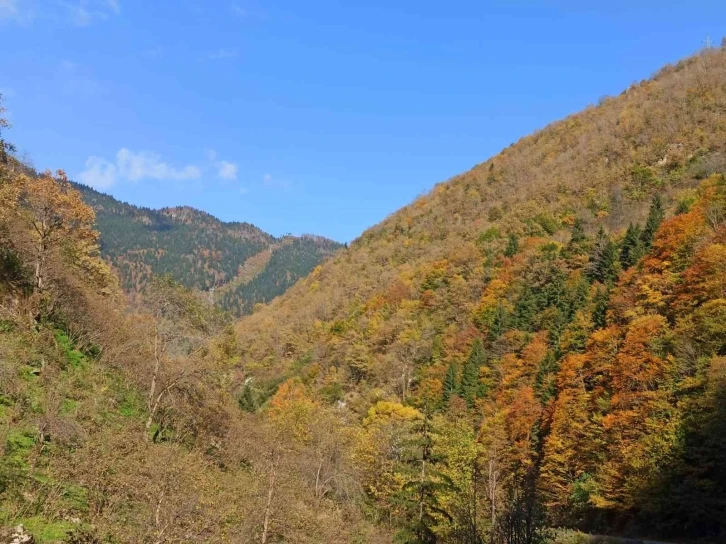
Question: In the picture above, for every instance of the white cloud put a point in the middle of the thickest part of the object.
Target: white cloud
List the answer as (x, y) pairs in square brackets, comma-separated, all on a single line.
[(99, 173), (223, 53), (143, 165), (133, 166), (226, 170)]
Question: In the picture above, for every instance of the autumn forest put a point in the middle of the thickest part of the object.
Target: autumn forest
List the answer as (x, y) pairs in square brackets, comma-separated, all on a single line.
[(534, 352)]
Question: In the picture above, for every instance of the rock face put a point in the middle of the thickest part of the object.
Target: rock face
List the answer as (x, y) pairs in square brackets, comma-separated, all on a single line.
[(16, 535)]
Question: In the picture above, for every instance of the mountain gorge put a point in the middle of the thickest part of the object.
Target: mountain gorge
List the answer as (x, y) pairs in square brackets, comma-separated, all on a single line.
[(201, 252), (535, 348)]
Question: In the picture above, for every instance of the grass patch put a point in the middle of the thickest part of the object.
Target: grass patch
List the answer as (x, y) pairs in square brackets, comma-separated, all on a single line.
[(45, 531)]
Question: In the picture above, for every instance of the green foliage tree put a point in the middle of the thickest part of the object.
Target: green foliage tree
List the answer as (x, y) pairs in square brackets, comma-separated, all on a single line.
[(656, 215), (601, 301), (512, 245), (632, 247), (604, 263), (451, 384), (471, 387)]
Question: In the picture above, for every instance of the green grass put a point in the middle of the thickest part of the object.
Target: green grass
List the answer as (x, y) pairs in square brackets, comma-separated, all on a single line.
[(45, 531), (74, 357)]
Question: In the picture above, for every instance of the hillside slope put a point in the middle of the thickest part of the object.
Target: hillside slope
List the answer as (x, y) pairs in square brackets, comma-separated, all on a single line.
[(472, 312), (198, 250)]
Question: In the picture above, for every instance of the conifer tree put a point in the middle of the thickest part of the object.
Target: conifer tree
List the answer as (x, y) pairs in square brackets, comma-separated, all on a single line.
[(544, 384), (469, 388), (632, 248), (451, 385), (604, 264), (655, 218), (512, 246), (499, 322), (599, 312), (525, 310), (578, 239)]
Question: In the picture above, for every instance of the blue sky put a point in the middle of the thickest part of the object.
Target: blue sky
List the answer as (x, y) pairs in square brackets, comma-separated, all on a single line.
[(318, 116)]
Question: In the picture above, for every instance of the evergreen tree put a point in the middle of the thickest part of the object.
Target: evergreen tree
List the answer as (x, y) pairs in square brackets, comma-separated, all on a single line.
[(544, 384), (470, 387), (525, 310), (499, 322), (248, 401), (423, 484), (655, 218), (604, 263), (451, 386), (578, 239), (599, 312), (512, 246), (632, 248)]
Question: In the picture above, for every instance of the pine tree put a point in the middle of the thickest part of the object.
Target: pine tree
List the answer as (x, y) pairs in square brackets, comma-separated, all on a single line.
[(423, 483), (599, 312), (655, 218), (632, 248), (544, 384), (470, 387), (450, 384), (604, 264), (512, 246), (525, 310), (578, 239), (499, 323)]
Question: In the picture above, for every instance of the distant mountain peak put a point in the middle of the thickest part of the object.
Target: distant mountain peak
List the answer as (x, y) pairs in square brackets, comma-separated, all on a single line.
[(202, 252)]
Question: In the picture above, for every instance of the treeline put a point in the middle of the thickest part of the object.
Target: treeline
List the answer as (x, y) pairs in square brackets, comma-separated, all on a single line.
[(198, 251)]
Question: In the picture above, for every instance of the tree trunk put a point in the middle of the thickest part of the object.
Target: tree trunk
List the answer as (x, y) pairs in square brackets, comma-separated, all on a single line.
[(151, 405), (270, 494)]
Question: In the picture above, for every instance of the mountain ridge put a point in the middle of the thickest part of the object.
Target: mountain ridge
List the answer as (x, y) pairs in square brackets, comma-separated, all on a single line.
[(199, 250)]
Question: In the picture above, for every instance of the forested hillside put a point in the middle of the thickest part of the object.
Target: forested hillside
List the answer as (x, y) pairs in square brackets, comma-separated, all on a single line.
[(200, 251), (541, 340), (538, 343), (122, 425)]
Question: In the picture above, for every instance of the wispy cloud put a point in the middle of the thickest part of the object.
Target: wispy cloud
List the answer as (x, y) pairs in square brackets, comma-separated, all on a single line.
[(226, 170), (238, 10), (223, 53), (80, 13), (16, 11), (114, 6), (133, 167)]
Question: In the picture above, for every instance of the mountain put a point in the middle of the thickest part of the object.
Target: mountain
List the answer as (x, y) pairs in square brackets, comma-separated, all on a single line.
[(534, 331), (535, 348), (201, 252)]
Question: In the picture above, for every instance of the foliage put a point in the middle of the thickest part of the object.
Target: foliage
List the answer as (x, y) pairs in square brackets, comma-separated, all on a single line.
[(237, 264)]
